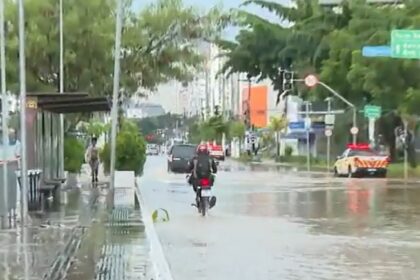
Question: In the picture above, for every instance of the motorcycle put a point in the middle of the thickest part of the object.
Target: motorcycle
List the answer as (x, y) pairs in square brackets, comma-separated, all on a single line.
[(204, 198)]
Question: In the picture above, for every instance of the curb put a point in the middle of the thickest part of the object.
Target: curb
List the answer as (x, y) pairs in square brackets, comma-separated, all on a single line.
[(159, 261)]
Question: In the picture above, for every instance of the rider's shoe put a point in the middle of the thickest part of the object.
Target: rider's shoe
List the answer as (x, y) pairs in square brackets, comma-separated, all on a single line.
[(212, 201)]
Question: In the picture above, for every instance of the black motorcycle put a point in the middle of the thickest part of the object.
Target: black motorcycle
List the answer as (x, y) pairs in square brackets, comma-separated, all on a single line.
[(204, 198)]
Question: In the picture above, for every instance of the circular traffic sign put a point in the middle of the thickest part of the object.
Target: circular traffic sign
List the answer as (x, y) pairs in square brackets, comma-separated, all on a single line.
[(328, 132), (354, 130), (311, 81)]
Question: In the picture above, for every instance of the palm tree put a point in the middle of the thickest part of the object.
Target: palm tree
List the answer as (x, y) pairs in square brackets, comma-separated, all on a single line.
[(277, 124)]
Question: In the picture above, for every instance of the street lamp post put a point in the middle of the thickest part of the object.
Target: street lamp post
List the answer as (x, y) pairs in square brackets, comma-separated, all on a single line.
[(61, 89), (328, 137), (348, 103), (114, 112), (22, 82)]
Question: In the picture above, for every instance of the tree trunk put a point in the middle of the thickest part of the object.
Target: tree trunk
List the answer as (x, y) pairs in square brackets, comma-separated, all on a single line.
[(278, 144)]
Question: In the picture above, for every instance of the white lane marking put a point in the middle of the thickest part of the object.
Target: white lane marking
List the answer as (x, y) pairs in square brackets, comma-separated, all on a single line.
[(159, 261)]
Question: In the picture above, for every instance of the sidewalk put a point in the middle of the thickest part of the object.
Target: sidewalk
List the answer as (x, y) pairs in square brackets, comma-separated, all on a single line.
[(84, 239), (43, 249)]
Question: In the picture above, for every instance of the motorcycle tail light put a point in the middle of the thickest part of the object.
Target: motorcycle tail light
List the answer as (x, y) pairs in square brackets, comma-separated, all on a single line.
[(204, 182)]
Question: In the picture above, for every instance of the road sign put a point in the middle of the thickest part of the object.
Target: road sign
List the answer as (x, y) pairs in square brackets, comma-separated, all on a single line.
[(328, 132), (405, 44), (372, 112), (329, 120), (296, 125), (354, 130), (311, 81), (376, 51)]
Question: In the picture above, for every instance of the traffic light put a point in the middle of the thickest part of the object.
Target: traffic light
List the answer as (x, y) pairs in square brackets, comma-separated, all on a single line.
[(287, 80)]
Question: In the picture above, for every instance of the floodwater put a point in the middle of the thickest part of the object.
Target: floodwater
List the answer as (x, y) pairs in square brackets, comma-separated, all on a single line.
[(278, 223)]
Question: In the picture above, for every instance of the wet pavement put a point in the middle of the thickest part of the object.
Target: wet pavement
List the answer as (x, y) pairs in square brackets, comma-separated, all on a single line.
[(85, 239), (277, 223), (43, 249)]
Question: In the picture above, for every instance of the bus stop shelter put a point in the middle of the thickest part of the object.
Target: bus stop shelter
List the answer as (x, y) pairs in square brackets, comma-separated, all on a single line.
[(43, 140)]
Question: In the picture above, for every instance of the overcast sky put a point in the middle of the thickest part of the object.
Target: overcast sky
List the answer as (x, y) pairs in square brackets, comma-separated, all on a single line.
[(166, 94)]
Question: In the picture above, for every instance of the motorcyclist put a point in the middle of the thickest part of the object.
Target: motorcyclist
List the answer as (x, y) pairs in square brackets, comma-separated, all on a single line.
[(202, 166)]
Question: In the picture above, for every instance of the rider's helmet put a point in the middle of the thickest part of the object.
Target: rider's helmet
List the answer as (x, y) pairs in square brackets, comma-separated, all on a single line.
[(202, 149)]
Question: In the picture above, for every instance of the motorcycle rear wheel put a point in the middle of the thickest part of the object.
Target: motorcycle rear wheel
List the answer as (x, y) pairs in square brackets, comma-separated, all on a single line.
[(204, 205)]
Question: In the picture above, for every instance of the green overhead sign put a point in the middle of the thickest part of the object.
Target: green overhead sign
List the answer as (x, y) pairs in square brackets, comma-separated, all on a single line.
[(372, 111), (405, 44)]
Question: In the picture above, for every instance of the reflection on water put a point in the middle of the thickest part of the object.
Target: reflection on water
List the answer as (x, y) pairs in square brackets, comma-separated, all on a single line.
[(34, 250), (115, 248)]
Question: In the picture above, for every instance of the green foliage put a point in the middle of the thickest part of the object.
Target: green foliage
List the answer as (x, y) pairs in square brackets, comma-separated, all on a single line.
[(74, 152), (329, 43), (95, 128), (212, 129), (131, 150), (288, 151), (156, 44), (277, 124), (236, 129), (167, 121)]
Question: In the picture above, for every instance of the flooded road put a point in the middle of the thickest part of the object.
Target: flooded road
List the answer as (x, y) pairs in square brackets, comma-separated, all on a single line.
[(281, 224)]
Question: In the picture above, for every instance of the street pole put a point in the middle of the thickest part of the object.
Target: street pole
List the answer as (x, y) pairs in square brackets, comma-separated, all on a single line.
[(328, 139), (248, 104), (114, 112), (354, 135), (61, 138), (5, 111), (307, 124), (22, 81), (405, 151), (372, 132), (347, 102)]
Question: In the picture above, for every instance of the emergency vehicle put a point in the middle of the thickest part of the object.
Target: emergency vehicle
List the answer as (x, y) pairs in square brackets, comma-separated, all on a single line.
[(216, 151), (360, 160)]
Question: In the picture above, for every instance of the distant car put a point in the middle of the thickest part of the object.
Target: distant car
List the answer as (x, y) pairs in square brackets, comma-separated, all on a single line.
[(360, 160), (152, 150), (179, 156), (216, 151)]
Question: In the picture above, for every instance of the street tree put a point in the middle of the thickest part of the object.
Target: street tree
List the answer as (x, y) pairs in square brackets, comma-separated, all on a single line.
[(316, 39), (158, 44), (277, 125)]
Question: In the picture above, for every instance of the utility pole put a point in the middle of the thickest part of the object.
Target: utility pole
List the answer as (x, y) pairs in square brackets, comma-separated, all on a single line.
[(4, 112), (405, 150), (248, 115), (308, 146), (22, 81), (328, 137), (114, 112), (61, 75)]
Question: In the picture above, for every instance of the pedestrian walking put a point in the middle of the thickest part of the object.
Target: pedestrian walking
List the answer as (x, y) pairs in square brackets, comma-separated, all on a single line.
[(92, 157)]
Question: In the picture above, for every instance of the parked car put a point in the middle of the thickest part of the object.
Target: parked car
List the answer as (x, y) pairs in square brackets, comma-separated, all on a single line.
[(152, 149), (179, 156)]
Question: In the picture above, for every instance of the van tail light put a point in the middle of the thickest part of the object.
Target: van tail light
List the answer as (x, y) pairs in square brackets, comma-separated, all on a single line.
[(205, 182)]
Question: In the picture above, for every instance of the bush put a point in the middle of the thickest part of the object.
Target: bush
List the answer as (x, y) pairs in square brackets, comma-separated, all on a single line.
[(288, 151), (74, 154), (131, 150)]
